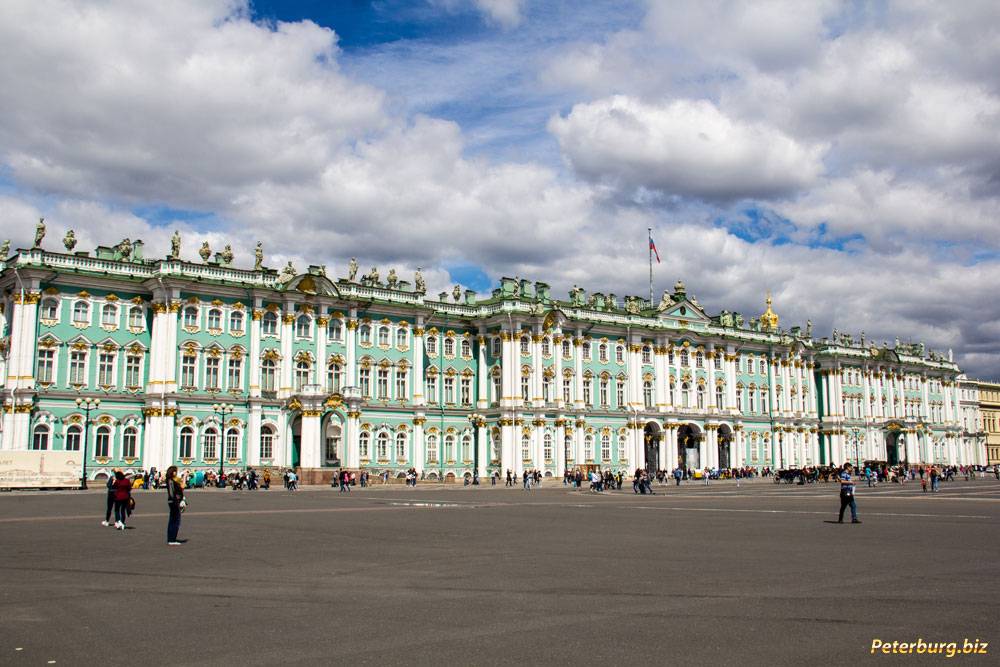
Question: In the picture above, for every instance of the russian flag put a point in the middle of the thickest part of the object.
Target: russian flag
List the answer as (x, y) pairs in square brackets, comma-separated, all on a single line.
[(652, 246)]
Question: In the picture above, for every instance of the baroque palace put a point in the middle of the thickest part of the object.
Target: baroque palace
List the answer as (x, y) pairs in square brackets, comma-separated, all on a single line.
[(204, 365)]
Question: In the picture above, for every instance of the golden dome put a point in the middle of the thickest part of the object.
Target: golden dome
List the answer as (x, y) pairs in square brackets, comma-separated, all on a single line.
[(769, 319)]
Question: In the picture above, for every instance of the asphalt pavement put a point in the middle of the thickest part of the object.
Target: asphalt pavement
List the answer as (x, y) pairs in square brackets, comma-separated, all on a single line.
[(456, 575)]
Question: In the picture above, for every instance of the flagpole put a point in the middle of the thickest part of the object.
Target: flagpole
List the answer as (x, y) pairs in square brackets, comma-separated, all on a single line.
[(649, 247)]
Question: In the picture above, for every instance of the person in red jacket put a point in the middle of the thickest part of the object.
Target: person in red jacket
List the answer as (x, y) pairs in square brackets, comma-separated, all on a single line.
[(123, 491)]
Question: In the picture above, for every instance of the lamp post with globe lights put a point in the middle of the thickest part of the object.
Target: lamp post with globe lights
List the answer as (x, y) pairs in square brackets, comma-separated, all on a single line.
[(222, 409), (86, 404), (476, 420)]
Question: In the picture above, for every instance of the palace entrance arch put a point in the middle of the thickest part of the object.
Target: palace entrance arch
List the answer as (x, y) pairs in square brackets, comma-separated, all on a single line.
[(652, 435), (296, 429), (894, 445), (725, 446), (688, 439), (333, 441)]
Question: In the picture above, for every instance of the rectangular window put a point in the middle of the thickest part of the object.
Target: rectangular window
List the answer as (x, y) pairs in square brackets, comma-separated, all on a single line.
[(587, 386), (46, 365), (466, 391), (132, 365), (401, 382), (567, 390), (78, 367), (497, 389), (365, 382), (449, 390), (431, 388), (105, 369), (620, 394), (235, 375), (212, 373), (383, 384), (605, 394), (188, 371)]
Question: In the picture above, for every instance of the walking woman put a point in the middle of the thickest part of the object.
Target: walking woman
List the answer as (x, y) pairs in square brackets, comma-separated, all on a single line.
[(176, 504), (111, 500), (123, 491)]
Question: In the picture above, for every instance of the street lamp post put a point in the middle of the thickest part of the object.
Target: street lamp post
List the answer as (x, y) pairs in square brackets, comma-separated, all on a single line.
[(857, 447), (476, 420), (221, 409), (86, 404)]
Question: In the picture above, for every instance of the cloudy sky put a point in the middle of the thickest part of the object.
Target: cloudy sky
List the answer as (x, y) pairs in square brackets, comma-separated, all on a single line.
[(845, 156)]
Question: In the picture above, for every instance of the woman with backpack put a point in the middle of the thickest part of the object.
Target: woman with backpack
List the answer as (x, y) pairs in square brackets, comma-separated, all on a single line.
[(123, 492)]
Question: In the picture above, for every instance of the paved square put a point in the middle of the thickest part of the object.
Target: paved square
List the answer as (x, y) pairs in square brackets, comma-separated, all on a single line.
[(437, 575)]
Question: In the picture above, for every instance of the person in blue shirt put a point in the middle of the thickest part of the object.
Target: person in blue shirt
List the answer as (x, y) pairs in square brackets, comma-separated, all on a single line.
[(847, 494)]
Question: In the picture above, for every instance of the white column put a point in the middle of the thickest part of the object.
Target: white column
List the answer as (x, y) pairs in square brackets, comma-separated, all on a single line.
[(578, 370), (482, 373), (731, 380), (351, 356), (253, 363), (321, 321), (309, 446), (560, 446), (483, 439), (253, 434), (660, 372), (419, 455), (557, 357), (634, 357), (418, 376), (352, 453), (287, 362), (537, 399)]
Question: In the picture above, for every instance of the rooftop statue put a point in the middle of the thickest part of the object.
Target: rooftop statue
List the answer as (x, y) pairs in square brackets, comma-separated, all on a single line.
[(175, 245), (352, 269), (632, 305), (665, 301), (287, 274), (456, 293), (4, 249), (69, 241), (373, 276), (392, 280), (125, 249), (258, 257), (205, 252), (39, 233), (809, 328), (227, 254), (418, 281)]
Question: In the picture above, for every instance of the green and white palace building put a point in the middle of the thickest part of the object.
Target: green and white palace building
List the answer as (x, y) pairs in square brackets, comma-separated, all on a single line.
[(193, 362)]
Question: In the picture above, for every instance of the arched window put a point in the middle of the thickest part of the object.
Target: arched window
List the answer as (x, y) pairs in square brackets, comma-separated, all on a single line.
[(335, 329), (496, 347), (401, 337), (449, 346), (602, 353), (73, 437), (401, 446), (432, 448), (719, 396), (449, 448), (186, 444), (382, 446), (302, 369), (525, 447), (605, 447), (466, 348), (685, 395), (236, 322), (215, 319), (102, 443), (383, 336), (50, 309), (431, 345), (40, 438), (266, 442), (588, 447), (467, 447), (647, 355), (210, 445), (701, 397), (334, 434), (364, 443), (699, 359), (269, 324), (334, 377), (525, 345), (303, 326), (752, 395), (191, 317), (81, 312), (268, 372), (620, 354), (130, 438), (232, 444), (567, 348), (604, 391), (365, 334), (647, 393), (684, 357), (135, 319), (547, 446), (586, 350), (546, 347), (568, 448), (109, 315)]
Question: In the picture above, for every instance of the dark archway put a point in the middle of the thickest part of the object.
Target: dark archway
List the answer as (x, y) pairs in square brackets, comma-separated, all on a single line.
[(296, 440), (688, 438), (333, 441), (892, 447), (725, 446), (651, 441)]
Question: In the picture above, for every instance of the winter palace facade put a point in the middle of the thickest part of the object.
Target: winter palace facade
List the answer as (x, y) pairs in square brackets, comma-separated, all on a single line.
[(205, 364)]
